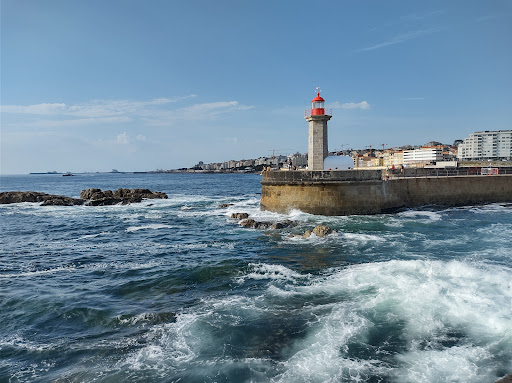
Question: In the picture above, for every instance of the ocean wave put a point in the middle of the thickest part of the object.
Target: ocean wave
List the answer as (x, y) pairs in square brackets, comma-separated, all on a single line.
[(152, 226), (262, 271), (429, 301)]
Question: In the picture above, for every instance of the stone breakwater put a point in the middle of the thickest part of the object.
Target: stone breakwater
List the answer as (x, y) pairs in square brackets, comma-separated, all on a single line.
[(89, 197), (365, 192)]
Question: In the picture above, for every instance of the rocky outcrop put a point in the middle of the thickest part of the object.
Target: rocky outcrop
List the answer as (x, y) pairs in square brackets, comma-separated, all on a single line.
[(319, 231), (225, 205), (96, 197), (31, 196), (252, 224), (322, 230), (239, 216), (91, 197)]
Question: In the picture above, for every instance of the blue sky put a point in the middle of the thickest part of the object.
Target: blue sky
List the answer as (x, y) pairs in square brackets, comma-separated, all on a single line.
[(143, 85)]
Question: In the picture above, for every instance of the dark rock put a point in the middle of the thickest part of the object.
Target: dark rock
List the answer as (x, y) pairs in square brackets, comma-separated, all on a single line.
[(225, 205), (240, 216), (18, 196), (251, 223), (104, 202), (138, 194), (91, 197), (282, 224), (262, 225), (88, 193), (30, 196), (62, 201), (248, 223), (506, 379), (96, 197)]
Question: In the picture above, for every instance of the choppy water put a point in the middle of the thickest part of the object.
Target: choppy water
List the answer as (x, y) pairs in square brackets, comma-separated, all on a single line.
[(174, 290)]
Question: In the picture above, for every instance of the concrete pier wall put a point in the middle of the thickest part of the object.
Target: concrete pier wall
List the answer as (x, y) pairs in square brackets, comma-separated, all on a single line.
[(356, 192)]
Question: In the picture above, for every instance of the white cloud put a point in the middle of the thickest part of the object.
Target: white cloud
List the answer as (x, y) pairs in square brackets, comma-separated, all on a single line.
[(70, 123), (211, 109), (94, 108), (43, 109), (351, 105), (402, 38), (122, 139), (156, 112)]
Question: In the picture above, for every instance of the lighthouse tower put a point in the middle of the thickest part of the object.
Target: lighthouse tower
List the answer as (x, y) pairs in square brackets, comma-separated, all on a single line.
[(317, 141)]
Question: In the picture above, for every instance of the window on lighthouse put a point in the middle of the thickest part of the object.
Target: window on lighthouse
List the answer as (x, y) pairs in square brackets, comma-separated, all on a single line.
[(318, 104)]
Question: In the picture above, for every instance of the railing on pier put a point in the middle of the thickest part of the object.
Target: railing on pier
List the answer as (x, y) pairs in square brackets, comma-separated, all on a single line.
[(296, 177), (455, 172), (309, 112)]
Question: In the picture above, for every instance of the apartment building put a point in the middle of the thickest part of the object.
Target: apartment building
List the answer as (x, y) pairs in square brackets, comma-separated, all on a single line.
[(423, 155), (487, 145)]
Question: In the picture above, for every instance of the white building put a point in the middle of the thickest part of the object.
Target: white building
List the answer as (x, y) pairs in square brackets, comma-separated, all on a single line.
[(423, 155), (487, 145), (298, 159)]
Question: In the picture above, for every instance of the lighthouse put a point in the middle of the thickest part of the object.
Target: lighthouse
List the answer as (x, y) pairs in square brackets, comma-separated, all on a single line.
[(317, 140)]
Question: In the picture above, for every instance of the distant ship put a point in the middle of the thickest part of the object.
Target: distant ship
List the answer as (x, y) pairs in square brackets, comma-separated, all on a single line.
[(68, 175)]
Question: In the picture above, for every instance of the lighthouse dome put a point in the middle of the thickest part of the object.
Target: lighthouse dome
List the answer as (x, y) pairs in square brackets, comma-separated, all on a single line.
[(317, 98)]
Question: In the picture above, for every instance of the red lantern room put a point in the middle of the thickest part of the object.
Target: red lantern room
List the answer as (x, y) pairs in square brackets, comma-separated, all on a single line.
[(317, 105)]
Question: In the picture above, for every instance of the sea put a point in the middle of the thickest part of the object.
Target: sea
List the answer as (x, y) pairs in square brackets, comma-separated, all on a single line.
[(176, 290)]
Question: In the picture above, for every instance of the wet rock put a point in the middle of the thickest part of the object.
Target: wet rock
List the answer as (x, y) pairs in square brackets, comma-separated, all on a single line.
[(31, 196), (88, 193), (506, 379), (136, 194), (240, 216), (62, 201), (282, 224), (263, 225), (225, 205), (322, 230), (96, 197), (252, 224), (307, 234), (248, 223)]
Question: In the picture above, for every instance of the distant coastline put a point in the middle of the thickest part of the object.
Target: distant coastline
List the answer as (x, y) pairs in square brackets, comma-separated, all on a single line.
[(186, 171), (256, 170)]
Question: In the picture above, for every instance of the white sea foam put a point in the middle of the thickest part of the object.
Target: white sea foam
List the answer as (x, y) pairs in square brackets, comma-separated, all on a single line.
[(33, 273), (152, 226), (89, 236), (432, 299), (421, 215), (261, 271), (362, 238)]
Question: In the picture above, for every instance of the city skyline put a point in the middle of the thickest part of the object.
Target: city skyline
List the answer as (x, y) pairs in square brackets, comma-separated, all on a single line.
[(130, 85)]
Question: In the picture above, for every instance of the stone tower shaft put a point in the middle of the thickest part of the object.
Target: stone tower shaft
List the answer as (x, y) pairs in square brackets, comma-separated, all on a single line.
[(317, 141)]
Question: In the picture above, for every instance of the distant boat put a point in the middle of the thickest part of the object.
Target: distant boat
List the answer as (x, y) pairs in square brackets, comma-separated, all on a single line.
[(67, 175)]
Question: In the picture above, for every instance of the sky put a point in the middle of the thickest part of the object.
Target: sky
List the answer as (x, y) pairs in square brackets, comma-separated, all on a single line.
[(138, 85)]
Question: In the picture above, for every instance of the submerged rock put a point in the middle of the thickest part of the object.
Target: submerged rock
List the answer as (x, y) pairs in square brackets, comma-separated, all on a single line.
[(225, 205)]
